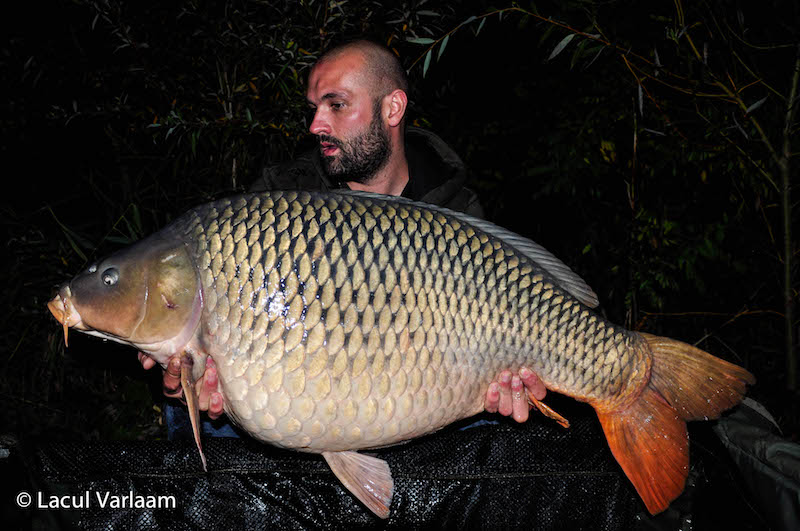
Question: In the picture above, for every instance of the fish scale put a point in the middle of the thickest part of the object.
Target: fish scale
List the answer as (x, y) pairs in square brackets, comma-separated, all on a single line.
[(344, 321), (401, 269)]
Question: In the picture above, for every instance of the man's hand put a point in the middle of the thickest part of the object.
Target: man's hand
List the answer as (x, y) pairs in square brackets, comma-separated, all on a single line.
[(507, 395), (210, 396)]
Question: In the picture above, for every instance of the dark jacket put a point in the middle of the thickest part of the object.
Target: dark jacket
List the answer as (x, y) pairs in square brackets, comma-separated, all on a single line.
[(436, 174)]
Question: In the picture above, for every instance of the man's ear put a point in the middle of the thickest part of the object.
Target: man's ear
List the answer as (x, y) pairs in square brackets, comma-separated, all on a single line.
[(394, 106)]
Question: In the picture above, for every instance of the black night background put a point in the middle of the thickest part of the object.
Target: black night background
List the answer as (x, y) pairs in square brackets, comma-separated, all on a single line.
[(649, 145)]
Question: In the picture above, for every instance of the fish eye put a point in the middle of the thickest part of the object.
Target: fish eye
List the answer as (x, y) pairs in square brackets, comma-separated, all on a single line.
[(92, 268), (110, 276)]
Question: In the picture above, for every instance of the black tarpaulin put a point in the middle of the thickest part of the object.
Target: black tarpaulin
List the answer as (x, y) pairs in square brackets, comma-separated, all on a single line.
[(534, 476)]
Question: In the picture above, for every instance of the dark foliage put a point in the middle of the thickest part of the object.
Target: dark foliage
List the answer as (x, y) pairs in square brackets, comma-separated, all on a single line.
[(608, 151)]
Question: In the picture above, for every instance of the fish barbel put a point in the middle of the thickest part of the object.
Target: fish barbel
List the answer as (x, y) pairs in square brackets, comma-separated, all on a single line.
[(344, 321)]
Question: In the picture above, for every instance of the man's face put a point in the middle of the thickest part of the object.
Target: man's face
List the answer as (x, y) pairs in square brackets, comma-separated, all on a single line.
[(354, 141)]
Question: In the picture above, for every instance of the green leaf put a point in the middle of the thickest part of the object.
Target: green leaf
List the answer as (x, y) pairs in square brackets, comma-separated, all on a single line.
[(561, 45), (131, 232), (641, 101), (546, 35), (427, 63), (577, 53), (756, 105), (420, 40), (73, 238), (428, 13), (137, 220), (119, 240), (480, 26), (470, 19), (441, 48)]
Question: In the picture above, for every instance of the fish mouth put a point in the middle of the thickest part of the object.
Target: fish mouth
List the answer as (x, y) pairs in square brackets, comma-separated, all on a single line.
[(65, 313)]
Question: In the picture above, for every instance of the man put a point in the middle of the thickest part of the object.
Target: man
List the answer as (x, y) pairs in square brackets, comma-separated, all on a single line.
[(358, 92)]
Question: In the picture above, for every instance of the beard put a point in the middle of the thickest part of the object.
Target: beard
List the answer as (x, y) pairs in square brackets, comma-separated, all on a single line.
[(360, 157)]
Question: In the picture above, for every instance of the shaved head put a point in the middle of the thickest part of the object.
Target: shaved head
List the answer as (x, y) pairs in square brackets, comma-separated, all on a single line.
[(381, 66), (358, 93)]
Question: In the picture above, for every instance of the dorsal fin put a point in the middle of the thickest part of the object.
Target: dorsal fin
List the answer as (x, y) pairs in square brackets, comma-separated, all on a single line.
[(561, 273)]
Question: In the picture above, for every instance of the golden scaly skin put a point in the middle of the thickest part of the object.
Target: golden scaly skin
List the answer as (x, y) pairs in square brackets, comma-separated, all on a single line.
[(341, 322)]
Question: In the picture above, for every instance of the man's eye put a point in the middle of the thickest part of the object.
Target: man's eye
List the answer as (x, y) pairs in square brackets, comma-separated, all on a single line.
[(337, 106)]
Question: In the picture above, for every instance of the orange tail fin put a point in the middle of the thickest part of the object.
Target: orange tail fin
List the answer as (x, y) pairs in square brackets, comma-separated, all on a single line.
[(648, 438)]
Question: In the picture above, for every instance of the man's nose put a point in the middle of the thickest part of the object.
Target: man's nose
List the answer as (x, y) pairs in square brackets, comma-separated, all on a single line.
[(319, 125)]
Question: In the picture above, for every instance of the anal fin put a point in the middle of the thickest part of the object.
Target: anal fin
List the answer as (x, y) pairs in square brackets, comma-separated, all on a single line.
[(368, 478), (187, 383)]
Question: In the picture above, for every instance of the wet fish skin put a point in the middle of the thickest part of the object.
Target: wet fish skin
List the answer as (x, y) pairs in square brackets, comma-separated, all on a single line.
[(343, 323), (346, 321)]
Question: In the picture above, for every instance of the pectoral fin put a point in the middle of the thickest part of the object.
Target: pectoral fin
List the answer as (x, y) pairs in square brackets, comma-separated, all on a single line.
[(368, 478), (187, 383)]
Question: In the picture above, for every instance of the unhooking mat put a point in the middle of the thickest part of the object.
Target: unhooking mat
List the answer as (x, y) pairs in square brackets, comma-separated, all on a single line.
[(492, 476)]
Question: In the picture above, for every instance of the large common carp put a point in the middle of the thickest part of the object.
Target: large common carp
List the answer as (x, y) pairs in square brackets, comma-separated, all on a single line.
[(346, 321)]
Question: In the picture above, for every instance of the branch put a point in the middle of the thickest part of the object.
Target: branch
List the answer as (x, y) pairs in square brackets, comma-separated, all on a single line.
[(733, 95), (742, 313), (719, 95), (653, 100), (727, 94), (515, 9), (764, 173), (756, 46), (786, 207), (766, 85), (790, 110)]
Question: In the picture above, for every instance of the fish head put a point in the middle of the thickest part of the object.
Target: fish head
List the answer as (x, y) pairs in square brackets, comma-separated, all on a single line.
[(146, 295)]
